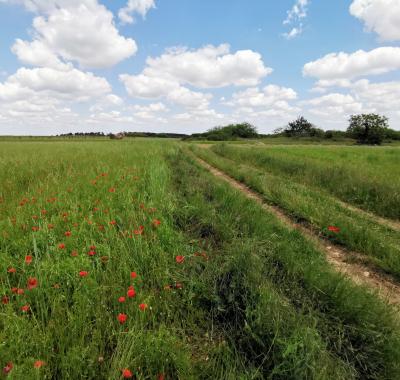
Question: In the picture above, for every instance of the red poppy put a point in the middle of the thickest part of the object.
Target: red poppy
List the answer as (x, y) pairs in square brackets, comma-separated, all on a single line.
[(74, 253), (156, 222), (7, 369), (11, 270), (35, 217), (113, 222), (334, 229), (127, 374), (131, 292), (161, 376), (92, 247), (18, 291), (35, 228), (111, 190), (133, 275), (121, 299), (50, 226), (180, 259), (91, 253), (178, 285), (83, 273), (25, 308), (43, 212), (5, 300), (122, 318), (32, 283), (68, 233), (39, 363), (143, 306), (28, 259), (61, 246)]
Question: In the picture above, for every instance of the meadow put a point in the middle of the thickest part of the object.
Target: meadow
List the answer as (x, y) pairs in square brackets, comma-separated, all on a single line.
[(128, 259)]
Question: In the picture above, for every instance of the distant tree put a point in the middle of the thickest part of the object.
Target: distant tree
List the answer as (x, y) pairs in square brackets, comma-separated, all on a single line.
[(300, 127), (368, 128)]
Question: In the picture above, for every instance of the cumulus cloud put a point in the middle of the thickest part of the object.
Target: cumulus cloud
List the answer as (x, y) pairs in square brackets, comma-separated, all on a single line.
[(73, 31), (380, 16), (141, 7), (336, 66), (334, 104)]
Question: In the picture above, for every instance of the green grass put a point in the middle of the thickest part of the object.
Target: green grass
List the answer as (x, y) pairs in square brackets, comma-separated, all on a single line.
[(368, 177), (358, 232), (251, 300)]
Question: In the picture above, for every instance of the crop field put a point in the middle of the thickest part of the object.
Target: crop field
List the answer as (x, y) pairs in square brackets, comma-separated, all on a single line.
[(131, 259)]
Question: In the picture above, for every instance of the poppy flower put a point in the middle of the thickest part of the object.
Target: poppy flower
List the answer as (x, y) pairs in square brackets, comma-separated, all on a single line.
[(43, 212), (92, 247), (83, 273), (74, 253), (133, 275), (111, 190), (25, 308), (32, 283), (91, 253), (131, 292), (180, 259), (68, 233), (28, 259), (7, 369), (334, 229), (113, 223), (156, 222), (122, 318), (143, 306), (18, 291), (11, 270), (127, 374), (5, 300), (161, 376), (35, 228), (121, 299), (39, 363), (61, 246), (178, 285), (35, 217), (50, 226)]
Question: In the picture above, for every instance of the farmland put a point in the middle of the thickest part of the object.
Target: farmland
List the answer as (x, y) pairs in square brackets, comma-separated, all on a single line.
[(129, 259)]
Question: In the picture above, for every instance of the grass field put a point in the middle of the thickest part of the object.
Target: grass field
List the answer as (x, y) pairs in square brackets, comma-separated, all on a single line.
[(126, 259)]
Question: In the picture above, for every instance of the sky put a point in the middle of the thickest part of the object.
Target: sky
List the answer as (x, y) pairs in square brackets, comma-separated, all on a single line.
[(185, 66)]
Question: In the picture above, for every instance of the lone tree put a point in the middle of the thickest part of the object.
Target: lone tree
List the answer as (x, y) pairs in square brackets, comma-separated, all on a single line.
[(301, 127), (368, 128)]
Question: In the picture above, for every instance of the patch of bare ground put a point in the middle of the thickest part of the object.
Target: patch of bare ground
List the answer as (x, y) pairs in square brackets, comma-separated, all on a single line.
[(351, 264)]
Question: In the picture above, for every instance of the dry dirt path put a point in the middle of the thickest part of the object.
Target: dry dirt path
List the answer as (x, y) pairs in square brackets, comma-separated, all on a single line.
[(336, 255)]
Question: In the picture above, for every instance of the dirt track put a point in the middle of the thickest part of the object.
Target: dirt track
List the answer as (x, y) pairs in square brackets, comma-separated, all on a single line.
[(336, 255)]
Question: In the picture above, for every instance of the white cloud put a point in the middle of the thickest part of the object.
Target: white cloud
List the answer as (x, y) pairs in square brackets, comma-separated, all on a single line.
[(208, 67), (294, 16), (349, 66), (82, 32), (334, 104), (380, 16), (140, 7)]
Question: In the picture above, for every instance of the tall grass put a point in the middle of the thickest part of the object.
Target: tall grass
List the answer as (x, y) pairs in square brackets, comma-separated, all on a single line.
[(358, 232), (366, 177)]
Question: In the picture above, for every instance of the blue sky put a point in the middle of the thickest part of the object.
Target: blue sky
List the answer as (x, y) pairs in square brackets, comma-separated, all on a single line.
[(185, 66)]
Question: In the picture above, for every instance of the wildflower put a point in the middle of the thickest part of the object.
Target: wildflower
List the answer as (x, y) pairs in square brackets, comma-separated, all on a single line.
[(74, 253), (91, 253), (68, 233), (122, 318), (28, 259), (83, 273), (92, 247), (50, 226), (161, 376), (156, 222), (35, 228), (334, 229), (127, 374), (112, 190), (25, 308), (61, 246), (32, 283), (43, 212), (143, 306), (113, 223), (35, 217), (121, 299), (11, 270), (133, 275), (5, 300), (7, 369), (18, 291), (178, 285), (131, 292), (38, 364), (180, 259)]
